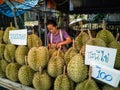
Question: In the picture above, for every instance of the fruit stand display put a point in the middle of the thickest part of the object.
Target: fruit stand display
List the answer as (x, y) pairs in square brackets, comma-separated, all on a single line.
[(35, 67)]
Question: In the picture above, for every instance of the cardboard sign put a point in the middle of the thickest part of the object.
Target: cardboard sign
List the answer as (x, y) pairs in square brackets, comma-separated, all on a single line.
[(18, 37), (31, 23), (105, 74), (102, 55)]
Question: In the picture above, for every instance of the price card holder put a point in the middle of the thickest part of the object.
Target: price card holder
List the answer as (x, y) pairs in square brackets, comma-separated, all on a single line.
[(105, 74), (102, 55), (18, 37)]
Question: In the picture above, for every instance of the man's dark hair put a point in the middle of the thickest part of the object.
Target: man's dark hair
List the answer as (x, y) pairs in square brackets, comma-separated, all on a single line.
[(53, 22)]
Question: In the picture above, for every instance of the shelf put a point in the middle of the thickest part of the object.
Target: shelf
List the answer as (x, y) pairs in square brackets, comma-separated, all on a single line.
[(13, 85)]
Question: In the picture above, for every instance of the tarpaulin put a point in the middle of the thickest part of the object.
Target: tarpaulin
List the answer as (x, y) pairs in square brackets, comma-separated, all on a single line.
[(7, 7)]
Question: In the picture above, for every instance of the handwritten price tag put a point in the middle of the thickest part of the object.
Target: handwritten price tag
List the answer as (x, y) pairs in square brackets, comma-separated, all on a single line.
[(18, 37), (105, 74), (102, 55)]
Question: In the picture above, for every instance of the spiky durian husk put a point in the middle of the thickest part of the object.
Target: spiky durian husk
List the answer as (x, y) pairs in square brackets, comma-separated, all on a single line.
[(42, 81), (105, 35), (25, 75), (61, 53), (6, 34), (51, 51), (9, 52), (20, 53), (77, 70), (33, 41), (12, 71), (2, 74), (88, 84), (55, 66), (1, 36), (2, 47), (38, 57), (69, 54), (107, 87), (81, 39), (116, 45), (96, 42), (3, 65), (62, 82)]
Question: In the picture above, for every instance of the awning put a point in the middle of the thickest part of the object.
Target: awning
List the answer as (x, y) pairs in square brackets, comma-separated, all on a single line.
[(7, 7), (89, 6)]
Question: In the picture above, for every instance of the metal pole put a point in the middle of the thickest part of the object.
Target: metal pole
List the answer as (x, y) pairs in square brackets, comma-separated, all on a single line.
[(14, 12), (45, 19), (39, 26), (15, 18)]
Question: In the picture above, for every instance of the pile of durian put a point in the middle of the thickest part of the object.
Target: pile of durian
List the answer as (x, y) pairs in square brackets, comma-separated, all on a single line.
[(35, 66)]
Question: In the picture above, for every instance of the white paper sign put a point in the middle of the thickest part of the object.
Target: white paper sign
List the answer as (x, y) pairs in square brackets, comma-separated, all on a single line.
[(105, 74), (102, 55), (18, 37)]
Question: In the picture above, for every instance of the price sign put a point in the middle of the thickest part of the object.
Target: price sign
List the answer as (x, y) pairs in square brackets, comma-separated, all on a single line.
[(105, 74), (18, 37), (102, 55)]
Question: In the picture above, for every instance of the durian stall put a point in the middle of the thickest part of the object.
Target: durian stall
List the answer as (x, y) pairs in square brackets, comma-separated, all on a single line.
[(33, 66)]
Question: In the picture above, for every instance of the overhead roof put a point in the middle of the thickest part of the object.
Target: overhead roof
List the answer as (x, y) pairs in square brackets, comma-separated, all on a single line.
[(90, 6)]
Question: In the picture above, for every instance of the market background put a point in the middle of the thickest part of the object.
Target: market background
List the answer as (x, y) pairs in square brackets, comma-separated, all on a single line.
[(34, 16)]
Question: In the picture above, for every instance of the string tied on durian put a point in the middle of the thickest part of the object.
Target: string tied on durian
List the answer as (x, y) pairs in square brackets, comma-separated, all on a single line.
[(117, 36), (64, 70), (26, 62), (81, 26), (90, 72), (73, 43), (103, 25), (58, 52), (40, 70), (89, 33)]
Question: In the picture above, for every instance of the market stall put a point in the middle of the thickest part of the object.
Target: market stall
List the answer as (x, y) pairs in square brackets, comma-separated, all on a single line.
[(90, 63)]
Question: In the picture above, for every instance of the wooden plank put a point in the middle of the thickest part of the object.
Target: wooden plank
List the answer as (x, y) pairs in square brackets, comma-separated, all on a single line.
[(13, 85)]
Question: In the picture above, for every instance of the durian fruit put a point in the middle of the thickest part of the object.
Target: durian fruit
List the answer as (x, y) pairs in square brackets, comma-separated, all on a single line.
[(1, 35), (116, 45), (31, 40), (72, 51), (9, 52), (76, 69), (12, 71), (6, 34), (105, 35), (51, 51), (41, 80), (88, 84), (61, 53), (25, 74), (94, 42), (2, 48), (3, 64), (108, 87), (38, 56), (81, 39), (62, 82), (55, 65), (20, 53)]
